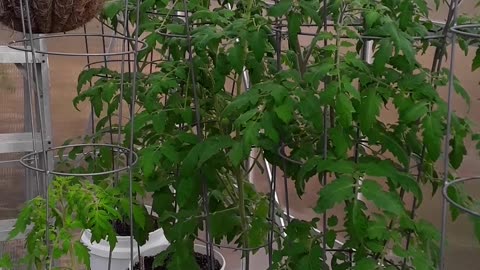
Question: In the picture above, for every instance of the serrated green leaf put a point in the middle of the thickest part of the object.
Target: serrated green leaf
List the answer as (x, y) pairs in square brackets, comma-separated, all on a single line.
[(432, 136), (148, 160), (453, 194), (337, 166), (382, 199), (415, 112), (139, 215), (159, 120), (340, 189), (243, 119), (371, 17), (462, 92), (169, 152), (476, 60), (236, 154), (458, 151), (186, 191), (236, 57), (382, 55), (225, 222), (344, 109), (270, 131), (285, 111), (82, 253), (366, 264), (213, 146), (257, 41), (280, 9), (369, 109), (340, 141), (396, 148)]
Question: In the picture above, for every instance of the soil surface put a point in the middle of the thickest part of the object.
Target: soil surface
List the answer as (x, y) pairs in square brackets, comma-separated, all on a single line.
[(123, 228), (202, 261)]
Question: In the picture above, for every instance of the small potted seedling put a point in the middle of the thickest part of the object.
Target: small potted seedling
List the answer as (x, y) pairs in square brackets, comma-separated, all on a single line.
[(72, 205)]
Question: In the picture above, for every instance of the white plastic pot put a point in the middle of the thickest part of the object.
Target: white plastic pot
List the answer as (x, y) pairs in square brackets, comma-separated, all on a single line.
[(120, 256), (197, 248)]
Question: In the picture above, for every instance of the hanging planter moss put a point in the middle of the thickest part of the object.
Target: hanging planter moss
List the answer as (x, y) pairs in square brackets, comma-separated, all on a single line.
[(50, 16)]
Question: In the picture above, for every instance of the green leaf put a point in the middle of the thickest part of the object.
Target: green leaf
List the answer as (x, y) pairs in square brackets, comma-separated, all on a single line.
[(280, 9), (139, 215), (267, 124), (369, 109), (453, 194), (159, 120), (313, 260), (415, 112), (337, 166), (186, 191), (332, 221), (236, 154), (257, 41), (340, 189), (344, 109), (395, 148), (432, 136), (476, 60), (382, 199), (476, 227), (82, 253), (285, 111), (340, 141), (330, 238), (213, 146), (458, 151), (225, 222), (236, 56), (148, 160), (371, 17), (294, 21), (311, 11), (169, 152), (462, 92), (365, 264)]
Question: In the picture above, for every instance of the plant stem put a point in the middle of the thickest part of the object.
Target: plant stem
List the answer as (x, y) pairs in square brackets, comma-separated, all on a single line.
[(241, 206)]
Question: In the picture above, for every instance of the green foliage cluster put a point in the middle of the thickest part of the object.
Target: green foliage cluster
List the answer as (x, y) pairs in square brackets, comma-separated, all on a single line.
[(196, 125)]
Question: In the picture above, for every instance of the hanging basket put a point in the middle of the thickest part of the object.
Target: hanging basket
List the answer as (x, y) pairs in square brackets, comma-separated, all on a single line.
[(49, 16)]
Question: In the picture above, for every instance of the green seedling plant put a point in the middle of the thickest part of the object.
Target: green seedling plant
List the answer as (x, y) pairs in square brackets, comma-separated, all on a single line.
[(72, 205)]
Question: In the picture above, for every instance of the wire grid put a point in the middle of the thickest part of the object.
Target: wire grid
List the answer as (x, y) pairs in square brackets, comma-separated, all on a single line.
[(273, 172)]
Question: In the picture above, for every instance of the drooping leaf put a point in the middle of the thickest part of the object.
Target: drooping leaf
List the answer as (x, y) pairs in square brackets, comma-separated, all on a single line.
[(236, 56), (344, 109), (432, 136), (366, 264), (382, 55), (415, 112), (476, 60), (257, 41), (285, 111), (371, 17), (369, 108), (340, 141), (338, 190), (280, 9), (382, 199)]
